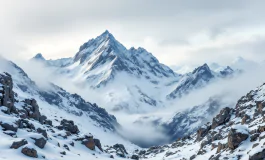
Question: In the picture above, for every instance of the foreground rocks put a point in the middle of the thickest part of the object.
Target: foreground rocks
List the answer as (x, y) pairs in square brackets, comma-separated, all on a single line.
[(221, 118), (27, 116), (29, 152), (40, 142), (16, 145), (258, 156), (69, 126), (235, 138)]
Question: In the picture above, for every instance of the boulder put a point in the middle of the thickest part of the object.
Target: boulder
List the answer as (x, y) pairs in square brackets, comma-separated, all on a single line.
[(202, 132), (98, 144), (29, 152), (235, 137), (43, 119), (7, 95), (9, 127), (23, 123), (41, 142), (89, 143), (221, 147), (42, 132), (258, 156), (135, 157), (244, 119), (66, 147), (254, 137), (221, 118), (16, 145), (68, 125), (120, 150), (32, 109)]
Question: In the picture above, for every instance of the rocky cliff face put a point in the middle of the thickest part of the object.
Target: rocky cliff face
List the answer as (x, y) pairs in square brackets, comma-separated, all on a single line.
[(234, 133), (199, 78), (30, 132)]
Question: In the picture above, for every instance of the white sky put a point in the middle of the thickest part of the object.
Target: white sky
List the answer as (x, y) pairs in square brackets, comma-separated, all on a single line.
[(177, 32)]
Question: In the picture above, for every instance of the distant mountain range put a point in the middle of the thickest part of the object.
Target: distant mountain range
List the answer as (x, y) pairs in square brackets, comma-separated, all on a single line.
[(106, 66)]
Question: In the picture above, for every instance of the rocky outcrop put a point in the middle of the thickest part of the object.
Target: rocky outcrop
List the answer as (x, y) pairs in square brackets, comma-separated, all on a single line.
[(7, 96), (23, 123), (120, 150), (98, 144), (69, 126), (235, 137), (9, 127), (40, 142), (89, 143), (222, 117), (16, 145), (42, 132), (32, 109), (135, 157), (258, 156), (30, 152), (202, 132)]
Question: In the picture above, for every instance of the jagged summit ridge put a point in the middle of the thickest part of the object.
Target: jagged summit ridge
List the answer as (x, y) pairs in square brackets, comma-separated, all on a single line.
[(38, 56), (102, 58)]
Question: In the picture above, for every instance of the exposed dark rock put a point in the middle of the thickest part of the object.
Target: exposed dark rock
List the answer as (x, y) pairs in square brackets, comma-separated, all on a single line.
[(254, 137), (43, 132), (192, 157), (235, 138), (66, 147), (10, 133), (244, 119), (255, 145), (32, 109), (41, 142), (202, 132), (69, 125), (135, 157), (121, 147), (72, 144), (6, 91), (98, 144), (16, 145), (221, 118), (89, 143), (258, 156), (9, 127), (43, 119), (63, 153), (221, 147), (29, 152), (23, 123)]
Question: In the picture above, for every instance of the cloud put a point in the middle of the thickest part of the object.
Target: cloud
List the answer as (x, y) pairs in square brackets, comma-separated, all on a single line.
[(178, 30)]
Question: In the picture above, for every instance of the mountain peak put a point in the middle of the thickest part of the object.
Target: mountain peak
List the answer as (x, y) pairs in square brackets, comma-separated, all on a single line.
[(39, 57), (204, 68), (106, 34)]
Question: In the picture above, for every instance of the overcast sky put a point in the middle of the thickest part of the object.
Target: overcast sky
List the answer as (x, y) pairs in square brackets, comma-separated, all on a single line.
[(176, 32)]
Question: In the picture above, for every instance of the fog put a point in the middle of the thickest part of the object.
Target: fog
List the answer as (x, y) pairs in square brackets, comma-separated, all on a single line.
[(230, 89)]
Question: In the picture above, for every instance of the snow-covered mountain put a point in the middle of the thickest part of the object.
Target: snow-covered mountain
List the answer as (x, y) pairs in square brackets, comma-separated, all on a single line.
[(187, 121), (234, 133), (198, 78), (52, 63), (130, 80), (99, 60), (52, 123)]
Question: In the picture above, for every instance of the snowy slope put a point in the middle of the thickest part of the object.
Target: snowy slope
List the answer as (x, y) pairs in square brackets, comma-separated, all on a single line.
[(57, 104), (129, 80), (199, 78), (233, 134), (52, 63)]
